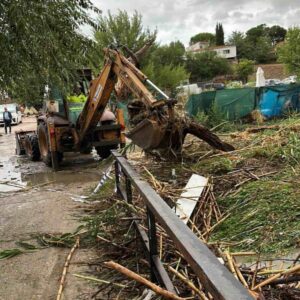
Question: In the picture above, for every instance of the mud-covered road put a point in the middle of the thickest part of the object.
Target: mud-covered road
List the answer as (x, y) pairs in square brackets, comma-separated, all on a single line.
[(35, 200)]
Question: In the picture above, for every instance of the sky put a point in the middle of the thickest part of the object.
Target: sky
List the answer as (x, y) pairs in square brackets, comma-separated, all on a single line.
[(181, 19)]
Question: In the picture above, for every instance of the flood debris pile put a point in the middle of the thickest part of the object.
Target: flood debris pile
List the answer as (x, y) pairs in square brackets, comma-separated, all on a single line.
[(248, 214), (276, 278)]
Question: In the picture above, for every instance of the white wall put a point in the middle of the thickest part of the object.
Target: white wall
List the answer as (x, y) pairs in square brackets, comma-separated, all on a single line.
[(226, 51), (222, 51), (197, 46)]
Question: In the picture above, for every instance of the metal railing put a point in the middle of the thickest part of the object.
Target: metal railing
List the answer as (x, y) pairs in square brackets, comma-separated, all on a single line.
[(214, 276)]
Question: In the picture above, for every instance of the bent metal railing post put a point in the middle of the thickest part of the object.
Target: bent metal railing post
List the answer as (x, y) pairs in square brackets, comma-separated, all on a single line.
[(214, 276)]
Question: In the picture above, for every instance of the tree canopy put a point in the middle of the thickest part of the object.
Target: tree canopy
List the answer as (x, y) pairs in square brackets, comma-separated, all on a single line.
[(244, 69), (41, 43), (206, 65), (121, 29), (203, 37), (254, 33), (255, 45), (219, 35), (172, 54), (162, 64), (277, 34), (289, 51), (166, 66), (243, 47)]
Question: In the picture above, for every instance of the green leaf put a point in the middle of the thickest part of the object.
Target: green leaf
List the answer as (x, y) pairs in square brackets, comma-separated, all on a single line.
[(8, 253)]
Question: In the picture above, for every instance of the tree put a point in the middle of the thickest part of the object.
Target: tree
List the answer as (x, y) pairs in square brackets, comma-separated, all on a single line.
[(254, 33), (255, 45), (121, 29), (203, 37), (243, 69), (41, 43), (243, 47), (165, 66), (262, 51), (277, 34), (167, 77), (206, 65), (172, 54), (289, 52), (219, 34)]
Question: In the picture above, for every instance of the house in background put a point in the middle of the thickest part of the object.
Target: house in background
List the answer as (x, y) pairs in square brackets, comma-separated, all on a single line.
[(226, 51), (198, 47)]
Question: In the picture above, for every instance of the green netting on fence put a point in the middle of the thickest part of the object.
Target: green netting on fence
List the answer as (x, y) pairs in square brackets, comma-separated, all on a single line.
[(200, 102), (235, 103)]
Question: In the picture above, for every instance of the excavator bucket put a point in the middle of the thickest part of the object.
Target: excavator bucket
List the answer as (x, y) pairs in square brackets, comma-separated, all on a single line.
[(148, 134)]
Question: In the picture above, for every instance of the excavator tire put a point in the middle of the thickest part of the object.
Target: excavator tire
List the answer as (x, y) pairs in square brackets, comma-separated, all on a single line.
[(43, 142), (104, 151), (32, 147)]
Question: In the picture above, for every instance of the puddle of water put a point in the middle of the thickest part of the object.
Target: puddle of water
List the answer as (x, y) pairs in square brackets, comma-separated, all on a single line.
[(12, 179), (61, 177), (10, 176), (9, 170), (5, 188)]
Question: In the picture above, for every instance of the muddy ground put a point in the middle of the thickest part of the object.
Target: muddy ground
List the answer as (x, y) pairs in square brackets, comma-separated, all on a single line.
[(35, 200)]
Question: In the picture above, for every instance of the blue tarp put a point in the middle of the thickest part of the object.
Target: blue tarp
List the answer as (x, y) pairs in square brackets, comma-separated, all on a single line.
[(275, 101)]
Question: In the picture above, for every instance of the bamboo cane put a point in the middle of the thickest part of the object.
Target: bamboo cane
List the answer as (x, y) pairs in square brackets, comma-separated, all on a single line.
[(189, 283), (157, 289), (272, 278), (65, 269)]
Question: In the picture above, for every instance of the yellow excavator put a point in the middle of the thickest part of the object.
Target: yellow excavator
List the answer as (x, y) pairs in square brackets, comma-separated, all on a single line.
[(156, 124)]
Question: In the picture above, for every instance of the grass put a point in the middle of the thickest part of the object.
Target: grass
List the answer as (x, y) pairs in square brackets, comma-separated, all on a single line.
[(216, 166), (265, 215), (264, 212)]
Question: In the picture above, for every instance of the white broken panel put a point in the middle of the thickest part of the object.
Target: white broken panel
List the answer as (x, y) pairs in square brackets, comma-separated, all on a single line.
[(185, 205)]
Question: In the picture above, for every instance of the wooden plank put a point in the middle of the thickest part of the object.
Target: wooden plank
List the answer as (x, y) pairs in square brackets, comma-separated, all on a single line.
[(185, 205)]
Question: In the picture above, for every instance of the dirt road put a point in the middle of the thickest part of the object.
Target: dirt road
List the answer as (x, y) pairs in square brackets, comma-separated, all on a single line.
[(44, 206)]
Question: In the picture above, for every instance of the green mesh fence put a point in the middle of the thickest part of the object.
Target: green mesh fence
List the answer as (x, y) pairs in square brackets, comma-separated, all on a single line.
[(200, 102), (234, 103)]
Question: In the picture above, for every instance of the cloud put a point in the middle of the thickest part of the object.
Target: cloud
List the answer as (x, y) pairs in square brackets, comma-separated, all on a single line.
[(176, 19)]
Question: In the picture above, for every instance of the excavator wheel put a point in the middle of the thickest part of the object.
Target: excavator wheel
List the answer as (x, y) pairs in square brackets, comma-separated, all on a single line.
[(44, 144), (32, 149), (43, 141), (104, 151)]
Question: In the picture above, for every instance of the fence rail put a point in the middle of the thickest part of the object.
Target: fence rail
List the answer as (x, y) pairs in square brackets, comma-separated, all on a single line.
[(214, 276)]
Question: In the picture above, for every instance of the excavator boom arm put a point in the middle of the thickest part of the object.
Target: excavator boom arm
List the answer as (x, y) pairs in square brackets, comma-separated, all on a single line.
[(116, 67)]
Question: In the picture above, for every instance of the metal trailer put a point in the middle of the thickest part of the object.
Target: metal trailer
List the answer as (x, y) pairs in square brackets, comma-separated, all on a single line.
[(27, 143)]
